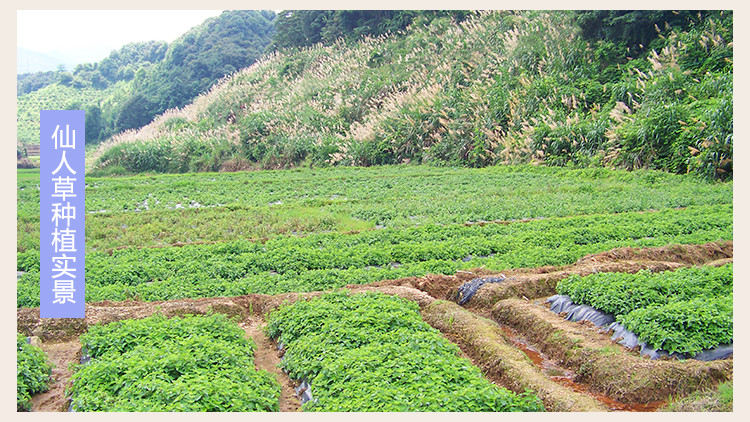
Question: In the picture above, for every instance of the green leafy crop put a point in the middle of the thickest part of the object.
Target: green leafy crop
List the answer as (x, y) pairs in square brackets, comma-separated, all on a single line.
[(330, 260), (373, 352), (686, 310), (687, 326), (155, 364), (32, 372)]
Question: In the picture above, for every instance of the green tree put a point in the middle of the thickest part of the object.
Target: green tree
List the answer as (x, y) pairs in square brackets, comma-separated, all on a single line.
[(136, 112), (635, 28), (303, 28), (93, 124), (194, 62)]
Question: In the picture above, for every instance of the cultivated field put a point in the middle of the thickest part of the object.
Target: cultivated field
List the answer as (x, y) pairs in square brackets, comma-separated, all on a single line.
[(338, 289)]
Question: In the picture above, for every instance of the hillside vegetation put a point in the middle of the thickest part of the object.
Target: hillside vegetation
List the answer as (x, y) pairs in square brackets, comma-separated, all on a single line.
[(132, 85), (495, 88)]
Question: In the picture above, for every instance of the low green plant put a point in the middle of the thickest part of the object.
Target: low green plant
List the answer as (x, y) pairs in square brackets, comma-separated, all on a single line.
[(688, 326), (373, 352), (165, 209), (33, 372), (685, 311), (186, 364), (324, 261)]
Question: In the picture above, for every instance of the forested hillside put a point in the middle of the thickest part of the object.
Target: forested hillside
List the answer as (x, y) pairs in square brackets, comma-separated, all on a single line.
[(648, 89), (141, 80)]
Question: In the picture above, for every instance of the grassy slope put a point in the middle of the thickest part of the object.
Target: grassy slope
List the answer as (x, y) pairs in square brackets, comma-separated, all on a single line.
[(342, 95), (498, 88)]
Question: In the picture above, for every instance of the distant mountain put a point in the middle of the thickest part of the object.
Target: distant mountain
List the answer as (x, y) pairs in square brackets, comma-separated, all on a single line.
[(29, 61)]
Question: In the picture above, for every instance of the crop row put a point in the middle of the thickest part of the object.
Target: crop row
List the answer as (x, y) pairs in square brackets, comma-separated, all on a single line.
[(155, 364), (331, 260), (175, 208), (620, 293), (373, 352), (685, 311)]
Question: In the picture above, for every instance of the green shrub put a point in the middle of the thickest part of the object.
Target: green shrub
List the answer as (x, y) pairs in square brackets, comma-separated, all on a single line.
[(686, 310)]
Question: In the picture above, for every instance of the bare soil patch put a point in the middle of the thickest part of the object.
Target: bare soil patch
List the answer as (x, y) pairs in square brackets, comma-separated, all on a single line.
[(64, 329), (267, 358), (687, 254), (500, 361), (60, 355)]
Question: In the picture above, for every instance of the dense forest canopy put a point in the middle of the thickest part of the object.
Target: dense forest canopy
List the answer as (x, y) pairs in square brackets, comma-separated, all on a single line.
[(194, 62), (120, 65)]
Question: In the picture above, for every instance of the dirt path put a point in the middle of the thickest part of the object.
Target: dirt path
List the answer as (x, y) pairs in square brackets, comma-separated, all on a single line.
[(60, 355), (267, 358)]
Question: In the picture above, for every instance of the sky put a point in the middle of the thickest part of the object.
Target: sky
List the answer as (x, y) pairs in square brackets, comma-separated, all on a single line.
[(90, 35)]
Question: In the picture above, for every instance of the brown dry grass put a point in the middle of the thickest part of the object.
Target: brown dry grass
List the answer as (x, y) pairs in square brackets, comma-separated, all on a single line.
[(687, 254), (236, 164), (719, 400)]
